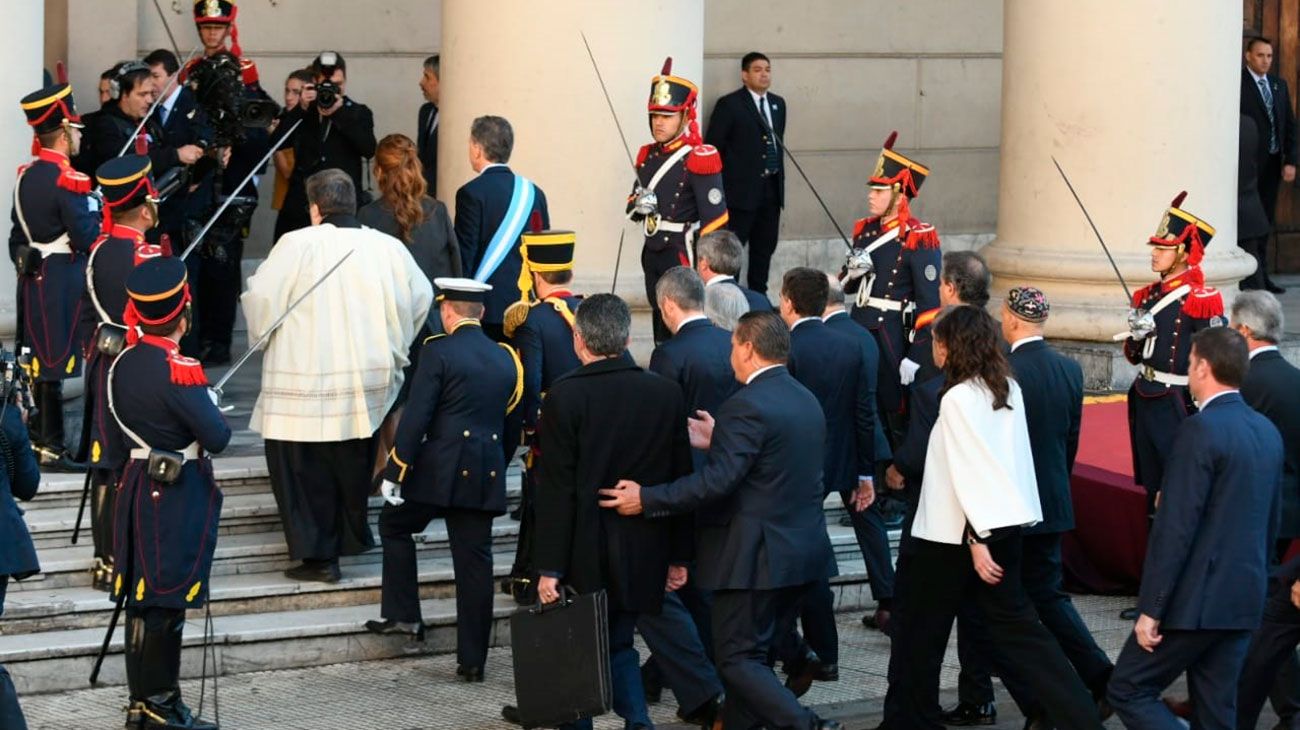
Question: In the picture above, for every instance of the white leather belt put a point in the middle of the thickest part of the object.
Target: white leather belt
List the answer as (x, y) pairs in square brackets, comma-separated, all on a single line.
[(190, 452), (887, 305), (660, 225), (58, 245), (1159, 376)]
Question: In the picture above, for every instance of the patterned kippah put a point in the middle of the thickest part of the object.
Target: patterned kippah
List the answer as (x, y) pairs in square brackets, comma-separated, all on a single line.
[(1028, 303)]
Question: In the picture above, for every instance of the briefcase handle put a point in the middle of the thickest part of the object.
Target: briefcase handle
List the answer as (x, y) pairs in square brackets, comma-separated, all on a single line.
[(567, 596)]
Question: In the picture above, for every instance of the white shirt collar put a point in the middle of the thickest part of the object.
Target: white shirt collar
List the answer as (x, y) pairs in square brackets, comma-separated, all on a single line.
[(490, 165), (1025, 341), (1256, 76), (827, 318), (687, 321), (801, 320), (1262, 350), (756, 96), (759, 372), (718, 279), (170, 101), (1208, 401)]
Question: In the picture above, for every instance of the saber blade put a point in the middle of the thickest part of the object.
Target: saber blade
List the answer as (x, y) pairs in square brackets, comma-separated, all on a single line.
[(1095, 232)]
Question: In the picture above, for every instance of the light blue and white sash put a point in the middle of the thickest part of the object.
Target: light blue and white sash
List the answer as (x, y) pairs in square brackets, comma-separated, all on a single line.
[(521, 204)]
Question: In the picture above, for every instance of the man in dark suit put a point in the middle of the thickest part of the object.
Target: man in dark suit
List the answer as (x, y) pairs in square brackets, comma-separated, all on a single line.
[(1272, 646), (426, 137), (1253, 225), (447, 462), (182, 123), (718, 257), (869, 524), (492, 210), (748, 128), (591, 549), (1266, 99), (761, 533), (1206, 568), (18, 555)]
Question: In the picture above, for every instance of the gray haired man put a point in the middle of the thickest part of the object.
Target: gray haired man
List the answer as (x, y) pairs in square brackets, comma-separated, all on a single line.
[(718, 258)]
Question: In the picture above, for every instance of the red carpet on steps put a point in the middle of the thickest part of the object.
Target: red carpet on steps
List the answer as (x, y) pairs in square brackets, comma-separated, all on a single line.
[(1104, 553)]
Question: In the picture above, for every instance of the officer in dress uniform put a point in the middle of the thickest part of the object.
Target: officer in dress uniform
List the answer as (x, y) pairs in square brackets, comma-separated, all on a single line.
[(540, 328), (447, 462), (1165, 315), (678, 195), (54, 225), (168, 504), (130, 211), (894, 272)]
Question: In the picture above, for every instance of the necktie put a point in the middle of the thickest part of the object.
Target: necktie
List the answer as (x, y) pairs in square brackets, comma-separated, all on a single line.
[(1267, 93), (771, 156)]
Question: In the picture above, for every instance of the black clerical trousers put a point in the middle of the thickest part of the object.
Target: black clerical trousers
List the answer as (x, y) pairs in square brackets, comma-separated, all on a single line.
[(321, 489), (470, 535)]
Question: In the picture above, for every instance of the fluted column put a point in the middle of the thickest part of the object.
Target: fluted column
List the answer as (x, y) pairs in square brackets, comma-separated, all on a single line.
[(1137, 99), (21, 49)]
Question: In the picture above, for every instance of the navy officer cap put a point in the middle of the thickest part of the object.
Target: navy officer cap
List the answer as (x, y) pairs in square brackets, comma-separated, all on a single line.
[(456, 289)]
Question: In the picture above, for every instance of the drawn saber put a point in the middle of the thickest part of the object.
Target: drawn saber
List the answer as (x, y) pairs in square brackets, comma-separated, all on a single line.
[(1095, 232), (261, 341), (781, 143)]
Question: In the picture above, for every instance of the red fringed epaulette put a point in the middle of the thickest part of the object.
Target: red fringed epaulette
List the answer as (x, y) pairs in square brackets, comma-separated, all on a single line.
[(643, 153), (25, 166), (98, 241), (248, 70), (1203, 303), (186, 370), (1141, 295), (74, 180), (921, 235), (704, 160), (860, 225)]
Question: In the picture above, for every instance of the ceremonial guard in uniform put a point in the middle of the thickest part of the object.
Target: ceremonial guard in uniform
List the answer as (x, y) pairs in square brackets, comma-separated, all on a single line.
[(447, 462), (678, 195), (544, 341), (894, 272), (130, 210), (54, 225), (1165, 315), (168, 504)]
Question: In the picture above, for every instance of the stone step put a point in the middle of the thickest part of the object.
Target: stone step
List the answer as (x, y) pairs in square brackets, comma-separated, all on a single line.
[(234, 475), (59, 660)]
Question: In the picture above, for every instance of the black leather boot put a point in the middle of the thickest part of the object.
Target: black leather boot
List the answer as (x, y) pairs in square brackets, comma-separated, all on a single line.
[(160, 704)]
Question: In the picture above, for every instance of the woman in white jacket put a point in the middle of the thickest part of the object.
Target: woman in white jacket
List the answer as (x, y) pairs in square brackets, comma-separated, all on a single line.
[(978, 492)]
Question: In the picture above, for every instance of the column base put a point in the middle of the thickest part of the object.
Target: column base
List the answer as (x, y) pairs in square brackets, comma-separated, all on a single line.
[(1104, 368)]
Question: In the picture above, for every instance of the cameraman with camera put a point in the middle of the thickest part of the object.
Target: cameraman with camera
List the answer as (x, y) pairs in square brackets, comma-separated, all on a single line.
[(336, 132), (19, 477)]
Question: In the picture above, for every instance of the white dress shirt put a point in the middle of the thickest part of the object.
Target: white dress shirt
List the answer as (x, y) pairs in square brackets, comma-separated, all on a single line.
[(1262, 350), (759, 372), (1025, 341), (758, 104)]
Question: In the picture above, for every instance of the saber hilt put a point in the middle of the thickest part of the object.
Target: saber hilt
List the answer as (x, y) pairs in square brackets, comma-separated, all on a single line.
[(1095, 232)]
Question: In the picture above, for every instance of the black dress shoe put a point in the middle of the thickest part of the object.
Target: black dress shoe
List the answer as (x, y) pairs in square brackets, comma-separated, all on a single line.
[(827, 672), (707, 716), (1130, 614), (652, 683), (878, 620), (469, 674), (799, 677), (314, 571), (389, 627), (966, 714), (510, 714)]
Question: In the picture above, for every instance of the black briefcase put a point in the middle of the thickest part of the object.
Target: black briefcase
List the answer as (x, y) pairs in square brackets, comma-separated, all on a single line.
[(561, 658)]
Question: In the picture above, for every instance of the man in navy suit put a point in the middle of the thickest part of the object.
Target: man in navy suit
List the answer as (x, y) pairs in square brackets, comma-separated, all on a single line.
[(869, 524), (426, 136), (831, 366), (17, 554), (718, 258), (761, 534), (1266, 99), (1206, 569), (492, 211), (748, 128)]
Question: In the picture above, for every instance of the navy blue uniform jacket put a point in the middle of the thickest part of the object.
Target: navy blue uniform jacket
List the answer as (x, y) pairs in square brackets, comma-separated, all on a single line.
[(545, 345), (17, 554), (698, 358)]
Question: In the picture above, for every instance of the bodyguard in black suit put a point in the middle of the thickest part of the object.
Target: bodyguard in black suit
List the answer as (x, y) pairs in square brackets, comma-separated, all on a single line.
[(1266, 99), (1253, 225), (718, 258), (447, 462), (426, 138), (1206, 569), (585, 418), (19, 478), (761, 534), (1272, 645), (748, 128), (491, 212)]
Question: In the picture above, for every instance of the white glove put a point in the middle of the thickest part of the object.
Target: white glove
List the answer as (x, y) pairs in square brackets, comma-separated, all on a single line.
[(214, 396), (646, 203), (1141, 324), (392, 492), (852, 274), (907, 371)]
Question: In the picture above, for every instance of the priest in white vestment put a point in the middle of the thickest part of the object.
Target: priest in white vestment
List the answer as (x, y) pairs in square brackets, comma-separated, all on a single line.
[(332, 371)]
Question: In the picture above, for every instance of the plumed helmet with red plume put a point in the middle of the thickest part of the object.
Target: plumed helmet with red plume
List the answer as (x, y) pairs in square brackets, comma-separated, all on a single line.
[(1180, 229)]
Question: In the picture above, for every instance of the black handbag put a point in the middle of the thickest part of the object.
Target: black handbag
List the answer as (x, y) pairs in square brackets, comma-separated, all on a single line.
[(561, 659)]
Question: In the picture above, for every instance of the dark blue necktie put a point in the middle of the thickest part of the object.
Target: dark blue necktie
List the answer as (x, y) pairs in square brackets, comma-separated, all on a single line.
[(771, 157)]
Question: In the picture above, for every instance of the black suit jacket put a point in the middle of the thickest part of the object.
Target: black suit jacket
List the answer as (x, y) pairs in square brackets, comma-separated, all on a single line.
[(831, 366), (1252, 220), (593, 547), (481, 204), (426, 142), (740, 133), (842, 323), (1272, 387), (759, 496), (1252, 105), (1052, 386), (698, 358), (186, 124)]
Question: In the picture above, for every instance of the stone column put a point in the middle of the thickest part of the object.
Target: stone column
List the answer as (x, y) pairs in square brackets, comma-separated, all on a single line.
[(510, 59), (1136, 101), (21, 51)]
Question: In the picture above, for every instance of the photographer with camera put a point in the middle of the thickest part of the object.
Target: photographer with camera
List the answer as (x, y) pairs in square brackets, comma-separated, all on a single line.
[(19, 477), (336, 132)]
